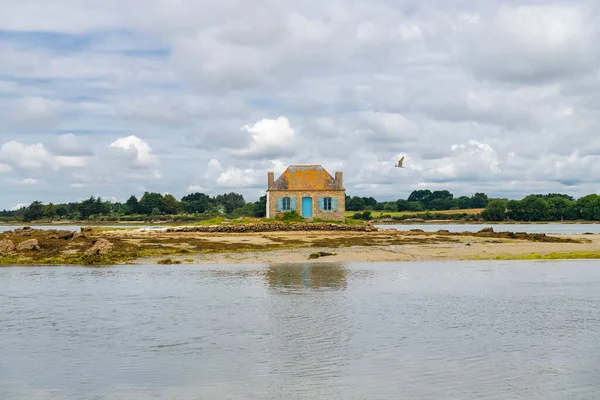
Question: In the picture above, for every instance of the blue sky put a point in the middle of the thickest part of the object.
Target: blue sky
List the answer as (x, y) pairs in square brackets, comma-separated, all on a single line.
[(114, 98)]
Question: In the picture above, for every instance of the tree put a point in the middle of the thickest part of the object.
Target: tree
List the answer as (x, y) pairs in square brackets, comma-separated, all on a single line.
[(402, 205), (355, 204), (370, 202), (495, 210), (561, 208), (230, 201), (149, 202), (87, 208), (479, 200), (589, 207), (132, 206), (260, 207), (170, 205), (423, 196), (34, 212), (50, 211), (196, 203), (462, 202), (390, 206), (416, 206)]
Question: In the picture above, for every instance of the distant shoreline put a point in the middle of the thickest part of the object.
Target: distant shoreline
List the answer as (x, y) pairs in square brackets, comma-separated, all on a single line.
[(374, 221)]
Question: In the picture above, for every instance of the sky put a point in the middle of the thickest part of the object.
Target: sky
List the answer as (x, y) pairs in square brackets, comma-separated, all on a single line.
[(112, 98)]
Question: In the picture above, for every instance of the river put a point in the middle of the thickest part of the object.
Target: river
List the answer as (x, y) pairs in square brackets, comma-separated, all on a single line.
[(445, 330), (573, 229)]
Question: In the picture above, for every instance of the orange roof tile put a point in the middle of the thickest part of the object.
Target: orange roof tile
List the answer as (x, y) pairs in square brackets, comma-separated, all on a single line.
[(306, 177)]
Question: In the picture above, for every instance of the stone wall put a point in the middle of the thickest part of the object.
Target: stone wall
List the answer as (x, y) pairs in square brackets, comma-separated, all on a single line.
[(273, 227), (324, 215)]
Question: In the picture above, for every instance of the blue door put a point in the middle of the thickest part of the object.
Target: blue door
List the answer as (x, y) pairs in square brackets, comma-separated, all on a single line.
[(307, 207)]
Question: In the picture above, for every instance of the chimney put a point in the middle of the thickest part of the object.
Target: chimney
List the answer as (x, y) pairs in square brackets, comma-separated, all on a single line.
[(271, 179), (338, 177)]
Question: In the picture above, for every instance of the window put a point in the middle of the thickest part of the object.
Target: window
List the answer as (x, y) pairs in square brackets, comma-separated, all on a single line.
[(327, 203), (286, 204)]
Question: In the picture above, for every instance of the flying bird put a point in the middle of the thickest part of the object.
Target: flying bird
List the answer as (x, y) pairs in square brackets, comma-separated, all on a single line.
[(399, 165)]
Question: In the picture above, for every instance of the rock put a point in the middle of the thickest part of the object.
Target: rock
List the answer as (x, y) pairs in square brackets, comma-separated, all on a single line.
[(27, 228), (443, 231), (417, 230), (468, 244), (67, 235), (6, 246), (31, 244), (102, 246), (76, 235), (319, 254), (86, 229), (487, 230)]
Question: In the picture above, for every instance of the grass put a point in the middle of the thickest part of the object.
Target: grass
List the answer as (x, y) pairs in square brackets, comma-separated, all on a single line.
[(416, 214)]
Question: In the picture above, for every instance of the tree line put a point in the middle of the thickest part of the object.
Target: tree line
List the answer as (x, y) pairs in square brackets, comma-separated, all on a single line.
[(198, 206), (548, 207), (419, 200), (150, 205)]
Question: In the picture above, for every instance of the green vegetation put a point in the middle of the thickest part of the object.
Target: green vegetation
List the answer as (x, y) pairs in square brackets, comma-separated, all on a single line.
[(549, 207), (202, 209)]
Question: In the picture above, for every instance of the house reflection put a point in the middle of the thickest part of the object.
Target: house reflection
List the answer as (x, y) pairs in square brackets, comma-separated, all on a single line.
[(308, 275)]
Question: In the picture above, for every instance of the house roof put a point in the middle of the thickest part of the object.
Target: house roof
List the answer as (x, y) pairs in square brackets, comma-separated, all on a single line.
[(306, 177)]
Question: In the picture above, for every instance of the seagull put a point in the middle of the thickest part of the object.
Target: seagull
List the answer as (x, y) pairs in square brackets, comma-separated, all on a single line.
[(399, 165)]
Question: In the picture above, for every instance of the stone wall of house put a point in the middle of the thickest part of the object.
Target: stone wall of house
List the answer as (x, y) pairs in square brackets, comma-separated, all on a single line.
[(324, 215)]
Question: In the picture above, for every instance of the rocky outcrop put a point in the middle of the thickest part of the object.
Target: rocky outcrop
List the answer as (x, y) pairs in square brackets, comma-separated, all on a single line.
[(6, 246), (31, 245), (487, 230), (101, 246), (269, 227)]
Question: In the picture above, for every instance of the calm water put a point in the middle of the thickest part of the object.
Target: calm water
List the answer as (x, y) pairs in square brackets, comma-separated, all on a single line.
[(478, 330), (529, 228), (4, 228)]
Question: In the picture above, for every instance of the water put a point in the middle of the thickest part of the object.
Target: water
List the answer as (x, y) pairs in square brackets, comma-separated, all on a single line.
[(573, 229), (4, 228), (460, 330)]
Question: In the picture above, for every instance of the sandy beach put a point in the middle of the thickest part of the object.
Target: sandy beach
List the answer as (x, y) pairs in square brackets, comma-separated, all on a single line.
[(379, 246), (152, 246)]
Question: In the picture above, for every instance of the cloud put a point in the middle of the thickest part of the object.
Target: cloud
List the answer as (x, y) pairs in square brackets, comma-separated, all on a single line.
[(28, 157), (479, 96), (28, 181), (33, 112), (135, 148), (269, 138), (18, 206)]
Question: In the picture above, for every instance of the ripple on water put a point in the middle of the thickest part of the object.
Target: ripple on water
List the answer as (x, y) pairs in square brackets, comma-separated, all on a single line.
[(422, 331)]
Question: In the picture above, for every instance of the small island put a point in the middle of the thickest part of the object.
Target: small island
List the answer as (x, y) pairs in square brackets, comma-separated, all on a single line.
[(278, 241)]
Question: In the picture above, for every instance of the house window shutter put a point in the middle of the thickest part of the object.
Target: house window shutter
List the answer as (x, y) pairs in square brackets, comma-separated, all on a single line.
[(293, 204), (279, 204), (320, 204), (335, 204)]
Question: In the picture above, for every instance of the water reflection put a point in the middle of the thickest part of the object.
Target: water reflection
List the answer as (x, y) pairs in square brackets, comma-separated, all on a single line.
[(308, 275), (526, 330)]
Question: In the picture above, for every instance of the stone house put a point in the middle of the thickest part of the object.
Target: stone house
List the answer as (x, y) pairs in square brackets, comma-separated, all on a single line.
[(309, 190)]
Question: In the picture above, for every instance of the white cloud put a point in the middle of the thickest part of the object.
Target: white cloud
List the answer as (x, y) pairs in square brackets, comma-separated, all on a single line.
[(28, 157), (269, 137), (18, 206), (70, 161), (137, 148), (28, 181), (356, 87)]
